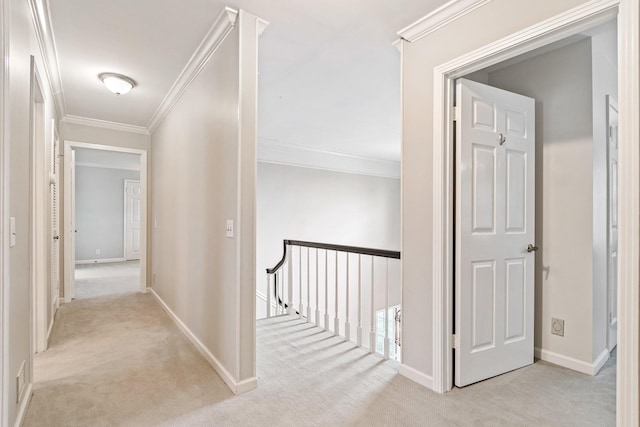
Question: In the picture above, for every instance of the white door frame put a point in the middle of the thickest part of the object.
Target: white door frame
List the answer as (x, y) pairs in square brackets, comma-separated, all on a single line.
[(4, 208), (125, 228), (69, 241), (38, 209), (571, 22)]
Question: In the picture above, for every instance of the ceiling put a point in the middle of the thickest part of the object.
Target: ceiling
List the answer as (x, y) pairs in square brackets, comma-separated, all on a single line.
[(329, 75)]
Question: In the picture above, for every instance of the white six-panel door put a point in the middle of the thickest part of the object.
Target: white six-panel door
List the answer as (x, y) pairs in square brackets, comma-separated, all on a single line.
[(495, 195), (132, 219)]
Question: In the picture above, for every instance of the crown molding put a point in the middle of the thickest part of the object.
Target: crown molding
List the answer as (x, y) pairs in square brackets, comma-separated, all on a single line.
[(216, 35), (270, 151), (440, 17), (261, 25), (123, 127), (44, 33)]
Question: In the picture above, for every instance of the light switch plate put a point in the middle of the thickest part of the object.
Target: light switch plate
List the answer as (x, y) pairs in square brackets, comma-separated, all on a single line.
[(229, 228), (12, 232)]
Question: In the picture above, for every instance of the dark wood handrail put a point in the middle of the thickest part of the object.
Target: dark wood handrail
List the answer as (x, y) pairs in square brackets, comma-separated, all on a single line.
[(328, 246)]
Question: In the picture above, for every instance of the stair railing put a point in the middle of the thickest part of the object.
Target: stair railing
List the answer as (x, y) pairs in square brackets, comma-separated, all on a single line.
[(324, 277)]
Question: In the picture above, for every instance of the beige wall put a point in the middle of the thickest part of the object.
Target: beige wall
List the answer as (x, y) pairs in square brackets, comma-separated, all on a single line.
[(17, 290), (560, 82), (491, 22), (204, 172)]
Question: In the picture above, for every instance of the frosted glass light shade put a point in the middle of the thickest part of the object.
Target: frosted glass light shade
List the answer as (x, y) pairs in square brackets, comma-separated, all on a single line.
[(116, 83)]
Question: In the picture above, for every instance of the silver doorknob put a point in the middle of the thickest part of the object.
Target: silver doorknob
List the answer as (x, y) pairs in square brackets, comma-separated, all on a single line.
[(531, 248)]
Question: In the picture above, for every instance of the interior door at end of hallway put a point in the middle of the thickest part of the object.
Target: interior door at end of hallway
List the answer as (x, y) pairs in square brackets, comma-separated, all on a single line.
[(133, 219)]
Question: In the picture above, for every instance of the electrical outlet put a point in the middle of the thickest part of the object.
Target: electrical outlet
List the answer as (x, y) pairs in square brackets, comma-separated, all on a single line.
[(98, 251), (229, 228), (557, 327)]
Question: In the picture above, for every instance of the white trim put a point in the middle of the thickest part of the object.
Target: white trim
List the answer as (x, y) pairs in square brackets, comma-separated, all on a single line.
[(4, 209), (417, 376), (52, 320), (572, 363), (235, 386), (628, 353), (69, 284), (214, 38), (563, 25), (105, 124), (46, 40), (440, 17), (282, 153), (98, 261), (103, 166), (24, 404)]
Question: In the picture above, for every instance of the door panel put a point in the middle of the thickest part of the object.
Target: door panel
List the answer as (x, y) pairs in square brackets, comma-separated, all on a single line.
[(494, 225), (133, 219)]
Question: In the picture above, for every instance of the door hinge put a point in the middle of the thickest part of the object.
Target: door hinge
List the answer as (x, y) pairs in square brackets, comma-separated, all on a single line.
[(455, 343), (454, 114)]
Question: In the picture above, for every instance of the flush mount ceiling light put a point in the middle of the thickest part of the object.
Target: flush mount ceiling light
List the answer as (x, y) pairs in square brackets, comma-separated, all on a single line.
[(117, 83)]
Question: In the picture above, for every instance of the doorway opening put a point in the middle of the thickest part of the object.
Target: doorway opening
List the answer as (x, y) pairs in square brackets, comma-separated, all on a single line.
[(572, 209), (105, 219)]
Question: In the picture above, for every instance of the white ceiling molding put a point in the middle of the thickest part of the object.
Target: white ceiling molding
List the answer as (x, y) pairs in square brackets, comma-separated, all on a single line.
[(440, 17), (44, 33), (86, 121), (103, 166), (270, 151), (261, 25), (216, 35)]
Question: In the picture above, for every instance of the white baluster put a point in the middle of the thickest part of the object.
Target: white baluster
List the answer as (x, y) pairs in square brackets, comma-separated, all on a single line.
[(268, 295), (372, 332), (387, 340), (336, 320), (300, 306), (280, 302), (308, 290), (290, 281), (317, 291), (326, 290), (359, 330), (347, 325)]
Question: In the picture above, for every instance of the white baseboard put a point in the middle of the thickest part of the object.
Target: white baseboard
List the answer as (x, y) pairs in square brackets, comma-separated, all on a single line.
[(416, 376), (98, 261), (600, 361), (24, 405), (237, 387), (571, 363)]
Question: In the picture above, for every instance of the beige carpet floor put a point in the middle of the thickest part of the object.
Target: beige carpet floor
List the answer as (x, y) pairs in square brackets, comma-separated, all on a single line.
[(120, 361), (101, 279)]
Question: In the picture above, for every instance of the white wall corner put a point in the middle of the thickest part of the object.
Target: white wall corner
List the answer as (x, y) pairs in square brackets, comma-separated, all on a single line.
[(237, 387), (397, 44), (212, 40), (87, 121), (440, 17), (44, 33), (416, 376), (270, 151)]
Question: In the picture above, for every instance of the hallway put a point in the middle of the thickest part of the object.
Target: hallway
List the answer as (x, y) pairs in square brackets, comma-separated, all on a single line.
[(95, 280), (121, 361)]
